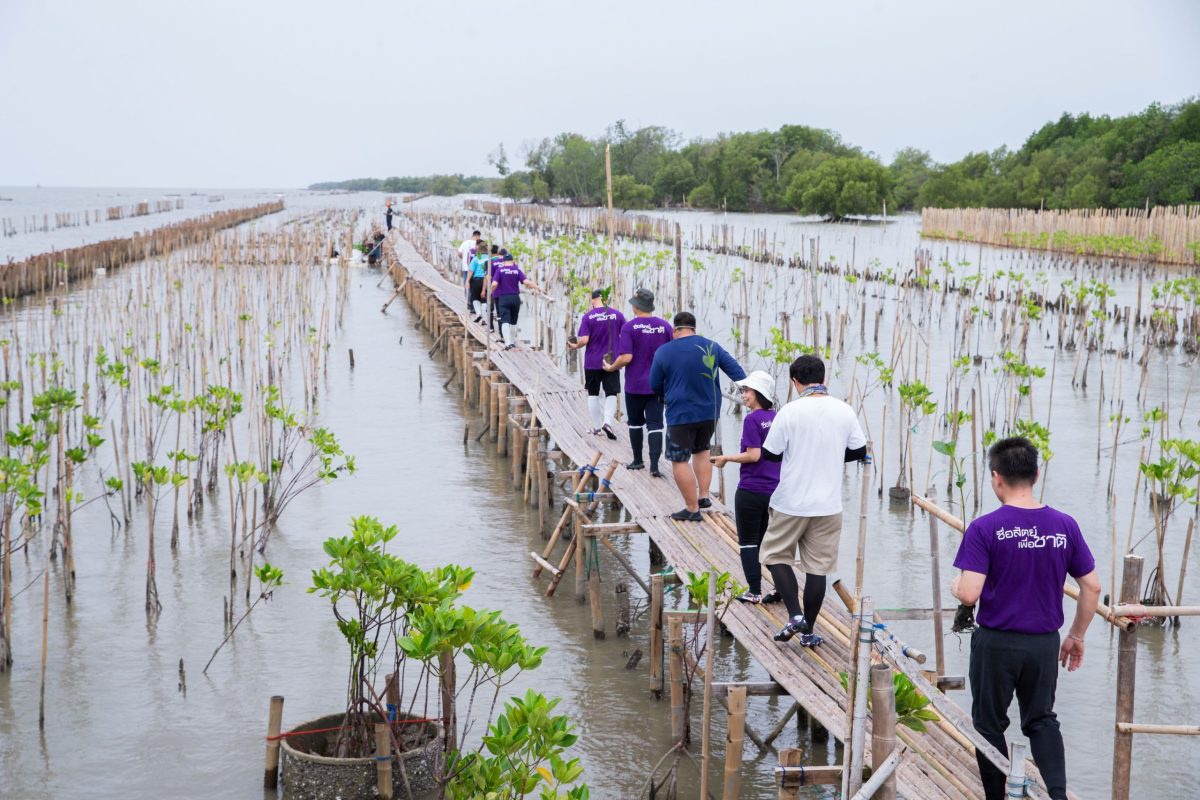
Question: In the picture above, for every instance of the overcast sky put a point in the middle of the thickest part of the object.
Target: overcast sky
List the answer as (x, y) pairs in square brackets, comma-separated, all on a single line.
[(249, 93)]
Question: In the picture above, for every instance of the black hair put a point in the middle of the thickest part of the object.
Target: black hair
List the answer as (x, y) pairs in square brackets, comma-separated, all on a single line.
[(475, 233), (763, 403), (1014, 459), (807, 370), (685, 319), (503, 252), (495, 249)]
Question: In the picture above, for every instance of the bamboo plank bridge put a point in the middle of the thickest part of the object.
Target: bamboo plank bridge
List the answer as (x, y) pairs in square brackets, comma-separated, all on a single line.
[(537, 414)]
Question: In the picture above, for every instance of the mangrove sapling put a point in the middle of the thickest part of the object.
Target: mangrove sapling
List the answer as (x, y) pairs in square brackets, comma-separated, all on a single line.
[(1170, 483), (915, 405), (285, 434), (153, 479), (19, 491), (395, 615), (270, 578)]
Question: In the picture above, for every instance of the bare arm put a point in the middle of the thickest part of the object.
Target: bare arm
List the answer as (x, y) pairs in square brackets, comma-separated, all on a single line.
[(1070, 655), (967, 587), (751, 455), (620, 362), (579, 342)]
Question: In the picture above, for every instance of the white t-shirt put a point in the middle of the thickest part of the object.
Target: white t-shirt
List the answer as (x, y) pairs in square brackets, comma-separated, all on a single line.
[(465, 251), (812, 433)]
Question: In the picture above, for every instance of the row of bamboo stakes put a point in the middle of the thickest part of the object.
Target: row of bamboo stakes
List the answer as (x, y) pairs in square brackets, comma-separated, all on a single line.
[(1101, 231), (74, 219)]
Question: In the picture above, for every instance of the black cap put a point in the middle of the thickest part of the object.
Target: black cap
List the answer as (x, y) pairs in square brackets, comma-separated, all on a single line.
[(597, 294), (643, 300)]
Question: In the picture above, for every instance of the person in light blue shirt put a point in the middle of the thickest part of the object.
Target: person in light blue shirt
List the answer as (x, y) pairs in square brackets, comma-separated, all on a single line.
[(686, 374)]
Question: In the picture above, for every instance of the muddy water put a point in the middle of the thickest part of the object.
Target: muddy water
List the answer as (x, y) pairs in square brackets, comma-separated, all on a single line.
[(119, 726)]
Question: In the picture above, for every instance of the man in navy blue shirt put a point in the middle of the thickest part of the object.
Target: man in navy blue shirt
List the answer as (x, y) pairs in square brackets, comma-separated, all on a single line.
[(686, 373)]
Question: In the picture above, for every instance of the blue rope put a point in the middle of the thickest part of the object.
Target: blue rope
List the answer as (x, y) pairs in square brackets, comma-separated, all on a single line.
[(605, 483)]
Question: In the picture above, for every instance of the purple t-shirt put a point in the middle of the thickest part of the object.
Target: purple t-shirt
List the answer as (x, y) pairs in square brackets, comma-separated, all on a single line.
[(641, 336), (763, 475), (602, 326), (1026, 555), (508, 278)]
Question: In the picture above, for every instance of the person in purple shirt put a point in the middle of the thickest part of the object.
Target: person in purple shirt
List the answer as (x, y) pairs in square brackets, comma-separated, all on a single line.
[(1014, 561), (756, 483), (599, 331), (640, 338), (507, 280)]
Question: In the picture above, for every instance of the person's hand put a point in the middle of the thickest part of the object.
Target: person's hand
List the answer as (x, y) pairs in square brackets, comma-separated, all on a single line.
[(719, 461), (1070, 655), (607, 365)]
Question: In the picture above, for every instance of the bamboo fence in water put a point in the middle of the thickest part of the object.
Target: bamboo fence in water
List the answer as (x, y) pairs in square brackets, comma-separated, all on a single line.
[(1169, 234), (46, 270)]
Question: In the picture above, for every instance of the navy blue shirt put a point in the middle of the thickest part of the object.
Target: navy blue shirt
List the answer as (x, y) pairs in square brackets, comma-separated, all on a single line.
[(691, 387)]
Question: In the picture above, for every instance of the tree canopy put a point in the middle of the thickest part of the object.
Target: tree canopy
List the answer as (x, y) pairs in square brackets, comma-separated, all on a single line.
[(1076, 161)]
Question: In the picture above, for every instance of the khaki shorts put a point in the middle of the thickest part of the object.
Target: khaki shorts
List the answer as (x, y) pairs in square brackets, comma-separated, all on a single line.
[(818, 539)]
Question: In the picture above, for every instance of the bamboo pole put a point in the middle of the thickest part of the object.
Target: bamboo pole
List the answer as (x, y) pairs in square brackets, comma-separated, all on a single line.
[(852, 780), (711, 632), (1131, 582), (274, 723), (735, 704), (383, 760), (656, 636), (883, 725), (935, 568), (860, 560), (678, 688)]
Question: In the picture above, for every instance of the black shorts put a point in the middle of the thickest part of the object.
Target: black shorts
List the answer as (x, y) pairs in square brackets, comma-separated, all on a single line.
[(684, 441), (595, 379), (509, 308)]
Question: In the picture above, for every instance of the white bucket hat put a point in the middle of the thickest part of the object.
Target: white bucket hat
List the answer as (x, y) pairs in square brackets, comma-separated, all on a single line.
[(761, 382)]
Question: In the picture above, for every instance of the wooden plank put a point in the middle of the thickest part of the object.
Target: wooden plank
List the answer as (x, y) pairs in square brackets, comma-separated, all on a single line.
[(758, 689)]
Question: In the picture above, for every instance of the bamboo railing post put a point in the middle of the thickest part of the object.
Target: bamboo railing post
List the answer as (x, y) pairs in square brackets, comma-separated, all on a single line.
[(860, 560), (1015, 784), (1131, 581), (593, 585), (274, 723), (735, 705), (710, 629), (883, 724), (852, 778), (656, 636), (678, 688), (501, 430), (383, 760), (935, 574)]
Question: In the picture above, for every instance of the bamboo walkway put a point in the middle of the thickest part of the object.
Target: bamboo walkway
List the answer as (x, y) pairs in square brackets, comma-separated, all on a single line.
[(939, 763)]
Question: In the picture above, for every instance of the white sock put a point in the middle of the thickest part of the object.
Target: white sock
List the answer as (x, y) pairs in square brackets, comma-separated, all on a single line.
[(478, 306), (596, 406), (610, 410), (510, 334)]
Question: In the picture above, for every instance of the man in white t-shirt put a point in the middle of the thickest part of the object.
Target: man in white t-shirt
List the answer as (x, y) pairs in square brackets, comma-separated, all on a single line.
[(466, 252), (813, 436)]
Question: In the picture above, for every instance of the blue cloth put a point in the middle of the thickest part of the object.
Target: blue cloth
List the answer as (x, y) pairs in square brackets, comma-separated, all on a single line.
[(691, 388)]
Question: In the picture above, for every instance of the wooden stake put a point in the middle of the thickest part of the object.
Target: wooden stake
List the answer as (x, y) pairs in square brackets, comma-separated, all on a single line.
[(678, 688), (935, 569), (383, 760), (274, 722), (711, 632), (883, 724), (735, 705), (1131, 582), (656, 636)]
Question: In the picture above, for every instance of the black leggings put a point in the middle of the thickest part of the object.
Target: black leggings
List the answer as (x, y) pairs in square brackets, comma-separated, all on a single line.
[(1004, 663), (474, 292), (750, 513), (645, 416)]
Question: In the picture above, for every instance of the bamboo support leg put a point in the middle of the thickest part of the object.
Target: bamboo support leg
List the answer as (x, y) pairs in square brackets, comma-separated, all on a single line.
[(735, 705), (883, 724), (678, 687), (656, 636)]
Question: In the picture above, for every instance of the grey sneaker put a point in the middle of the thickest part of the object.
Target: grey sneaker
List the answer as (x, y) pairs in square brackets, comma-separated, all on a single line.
[(810, 640), (751, 598), (687, 516), (705, 502)]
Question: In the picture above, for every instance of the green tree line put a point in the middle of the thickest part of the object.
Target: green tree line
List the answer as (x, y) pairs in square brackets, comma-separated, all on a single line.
[(1077, 161), (434, 184)]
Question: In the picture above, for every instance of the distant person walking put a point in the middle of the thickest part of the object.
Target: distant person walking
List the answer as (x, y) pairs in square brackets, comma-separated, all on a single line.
[(756, 482), (812, 436), (600, 332), (1014, 561), (476, 279), (388, 216), (466, 251), (507, 280), (686, 374), (640, 338)]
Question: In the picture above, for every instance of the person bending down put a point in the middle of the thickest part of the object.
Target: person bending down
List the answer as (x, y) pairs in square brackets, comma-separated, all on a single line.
[(812, 437)]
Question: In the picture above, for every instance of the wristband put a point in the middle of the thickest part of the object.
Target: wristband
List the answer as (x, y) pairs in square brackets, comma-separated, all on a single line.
[(1076, 638)]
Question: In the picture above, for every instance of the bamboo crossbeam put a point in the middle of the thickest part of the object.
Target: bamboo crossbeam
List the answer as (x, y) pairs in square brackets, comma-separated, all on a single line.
[(1125, 610), (1170, 730), (753, 689)]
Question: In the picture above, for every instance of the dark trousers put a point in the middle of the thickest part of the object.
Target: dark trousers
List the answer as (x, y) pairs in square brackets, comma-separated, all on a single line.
[(645, 420), (750, 513), (1004, 663)]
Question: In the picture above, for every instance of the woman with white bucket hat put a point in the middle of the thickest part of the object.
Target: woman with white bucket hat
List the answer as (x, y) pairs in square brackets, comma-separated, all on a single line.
[(757, 481)]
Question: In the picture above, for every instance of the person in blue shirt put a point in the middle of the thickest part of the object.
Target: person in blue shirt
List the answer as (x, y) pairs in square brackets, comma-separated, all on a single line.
[(686, 374)]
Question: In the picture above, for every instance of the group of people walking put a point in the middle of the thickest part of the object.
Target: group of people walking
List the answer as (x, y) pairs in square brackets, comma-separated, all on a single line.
[(788, 501), (492, 282)]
